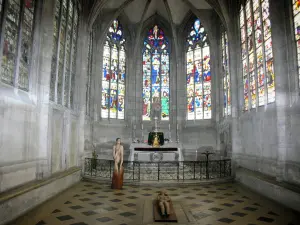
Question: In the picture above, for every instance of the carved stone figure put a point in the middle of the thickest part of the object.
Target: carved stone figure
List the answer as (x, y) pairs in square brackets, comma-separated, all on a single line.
[(164, 203)]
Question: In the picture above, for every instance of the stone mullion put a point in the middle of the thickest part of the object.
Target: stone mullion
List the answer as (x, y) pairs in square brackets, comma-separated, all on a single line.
[(64, 55), (71, 57), (247, 59), (254, 57), (160, 86), (117, 75), (109, 82), (19, 43), (222, 89), (229, 75), (151, 55), (264, 55), (58, 49)]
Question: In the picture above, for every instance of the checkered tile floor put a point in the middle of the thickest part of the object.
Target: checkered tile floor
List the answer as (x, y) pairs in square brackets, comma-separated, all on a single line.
[(93, 204)]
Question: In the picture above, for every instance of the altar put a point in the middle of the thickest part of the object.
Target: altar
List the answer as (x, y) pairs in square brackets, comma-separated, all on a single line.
[(146, 153)]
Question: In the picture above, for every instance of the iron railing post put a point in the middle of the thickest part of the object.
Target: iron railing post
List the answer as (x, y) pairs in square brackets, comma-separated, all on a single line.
[(110, 169), (133, 171), (207, 173), (158, 170), (91, 163), (194, 170), (183, 171), (177, 171), (220, 168), (139, 171)]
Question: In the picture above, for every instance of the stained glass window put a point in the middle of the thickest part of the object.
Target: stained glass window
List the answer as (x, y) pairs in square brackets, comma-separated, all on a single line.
[(64, 52), (16, 55), (257, 54), (156, 70), (296, 12), (226, 76), (114, 71), (198, 74), (89, 73)]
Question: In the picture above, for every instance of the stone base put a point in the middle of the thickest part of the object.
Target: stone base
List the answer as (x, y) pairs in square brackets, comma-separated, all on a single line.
[(159, 218), (17, 202), (280, 192)]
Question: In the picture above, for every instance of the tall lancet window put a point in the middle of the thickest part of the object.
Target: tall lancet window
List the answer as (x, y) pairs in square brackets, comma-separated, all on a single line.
[(226, 76), (257, 54), (64, 48), (156, 69), (114, 69), (16, 41), (198, 80), (296, 12)]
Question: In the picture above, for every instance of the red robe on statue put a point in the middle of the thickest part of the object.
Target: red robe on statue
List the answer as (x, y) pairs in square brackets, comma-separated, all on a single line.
[(117, 179)]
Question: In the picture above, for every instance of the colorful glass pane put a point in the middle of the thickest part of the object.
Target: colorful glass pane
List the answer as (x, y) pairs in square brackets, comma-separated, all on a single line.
[(65, 35), (198, 80), (296, 13), (226, 76), (10, 41), (114, 73), (156, 73), (26, 43), (258, 69)]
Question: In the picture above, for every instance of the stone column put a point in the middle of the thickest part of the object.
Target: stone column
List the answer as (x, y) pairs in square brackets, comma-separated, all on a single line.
[(80, 82), (42, 65), (236, 85), (280, 52)]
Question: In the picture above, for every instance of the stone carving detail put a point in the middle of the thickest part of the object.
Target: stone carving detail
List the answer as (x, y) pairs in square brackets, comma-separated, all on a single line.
[(224, 129), (135, 157), (176, 156), (156, 157)]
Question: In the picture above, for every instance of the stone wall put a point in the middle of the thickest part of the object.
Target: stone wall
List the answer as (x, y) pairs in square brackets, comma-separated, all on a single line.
[(103, 132), (38, 137), (265, 139)]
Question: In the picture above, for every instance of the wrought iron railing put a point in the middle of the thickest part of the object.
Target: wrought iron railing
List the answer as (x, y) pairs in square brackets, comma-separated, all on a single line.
[(155, 171)]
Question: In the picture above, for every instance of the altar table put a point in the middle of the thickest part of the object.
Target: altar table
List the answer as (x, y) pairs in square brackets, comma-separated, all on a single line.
[(146, 153)]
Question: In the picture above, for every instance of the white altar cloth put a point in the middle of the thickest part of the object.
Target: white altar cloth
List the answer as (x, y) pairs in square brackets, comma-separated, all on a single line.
[(155, 156)]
